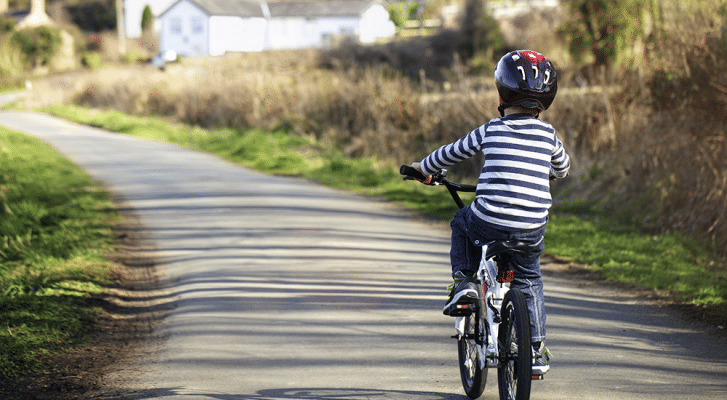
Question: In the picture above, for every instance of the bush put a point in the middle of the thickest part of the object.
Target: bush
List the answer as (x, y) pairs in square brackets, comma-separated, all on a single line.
[(147, 19), (12, 61), (604, 29), (399, 13), (6, 24), (94, 16), (91, 60), (38, 44)]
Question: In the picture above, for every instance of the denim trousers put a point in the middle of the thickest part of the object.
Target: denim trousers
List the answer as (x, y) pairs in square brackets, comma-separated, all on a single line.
[(469, 234)]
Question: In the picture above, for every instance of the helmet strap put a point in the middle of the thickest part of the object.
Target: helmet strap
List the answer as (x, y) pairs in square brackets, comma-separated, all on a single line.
[(501, 108)]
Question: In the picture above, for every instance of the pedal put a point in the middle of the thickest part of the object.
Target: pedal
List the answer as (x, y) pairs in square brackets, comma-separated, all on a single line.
[(538, 377), (461, 310)]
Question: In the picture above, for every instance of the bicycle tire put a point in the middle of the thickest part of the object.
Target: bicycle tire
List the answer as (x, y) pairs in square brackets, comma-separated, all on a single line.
[(474, 377), (514, 371)]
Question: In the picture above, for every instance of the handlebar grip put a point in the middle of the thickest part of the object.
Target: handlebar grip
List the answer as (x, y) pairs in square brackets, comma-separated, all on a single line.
[(410, 172)]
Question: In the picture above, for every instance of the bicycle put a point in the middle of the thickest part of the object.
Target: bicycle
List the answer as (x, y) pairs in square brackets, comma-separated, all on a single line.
[(499, 336)]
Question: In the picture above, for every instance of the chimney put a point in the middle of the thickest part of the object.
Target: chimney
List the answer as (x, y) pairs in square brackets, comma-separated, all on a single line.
[(37, 15)]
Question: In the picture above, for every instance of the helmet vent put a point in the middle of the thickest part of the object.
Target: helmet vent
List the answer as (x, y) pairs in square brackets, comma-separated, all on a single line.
[(522, 71)]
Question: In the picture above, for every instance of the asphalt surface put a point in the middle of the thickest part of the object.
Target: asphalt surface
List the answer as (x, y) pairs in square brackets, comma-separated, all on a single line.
[(282, 289)]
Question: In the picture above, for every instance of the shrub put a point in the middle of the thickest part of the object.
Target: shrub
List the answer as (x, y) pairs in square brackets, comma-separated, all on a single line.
[(399, 13), (91, 60), (38, 44), (94, 15), (6, 24), (147, 19), (12, 61), (604, 29)]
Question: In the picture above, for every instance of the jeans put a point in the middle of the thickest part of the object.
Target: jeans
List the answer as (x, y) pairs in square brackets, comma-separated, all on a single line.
[(470, 233)]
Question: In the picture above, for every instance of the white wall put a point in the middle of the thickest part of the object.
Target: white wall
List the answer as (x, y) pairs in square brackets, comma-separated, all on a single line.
[(292, 33), (185, 29), (331, 28), (236, 34), (133, 9), (375, 24)]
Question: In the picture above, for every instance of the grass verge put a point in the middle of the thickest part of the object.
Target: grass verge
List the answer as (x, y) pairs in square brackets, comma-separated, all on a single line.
[(670, 264), (54, 229)]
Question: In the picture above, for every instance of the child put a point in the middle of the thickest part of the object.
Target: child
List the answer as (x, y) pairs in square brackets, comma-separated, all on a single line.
[(513, 192)]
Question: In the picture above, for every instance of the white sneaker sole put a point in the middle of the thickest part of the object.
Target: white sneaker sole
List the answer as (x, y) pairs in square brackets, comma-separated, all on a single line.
[(470, 294), (540, 370)]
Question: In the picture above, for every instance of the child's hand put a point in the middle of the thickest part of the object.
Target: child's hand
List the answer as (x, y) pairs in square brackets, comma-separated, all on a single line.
[(417, 166)]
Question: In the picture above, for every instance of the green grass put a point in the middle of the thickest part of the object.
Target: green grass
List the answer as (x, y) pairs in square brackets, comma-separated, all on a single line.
[(670, 263), (54, 229)]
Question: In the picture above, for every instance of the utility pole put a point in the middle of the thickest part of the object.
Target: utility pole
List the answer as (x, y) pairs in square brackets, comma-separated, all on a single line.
[(120, 27)]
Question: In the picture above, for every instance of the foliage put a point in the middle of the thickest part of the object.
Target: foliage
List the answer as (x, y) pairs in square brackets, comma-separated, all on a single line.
[(482, 34), (12, 60), (93, 15), (6, 24), (398, 13), (38, 44), (91, 60), (606, 30), (147, 19), (53, 228)]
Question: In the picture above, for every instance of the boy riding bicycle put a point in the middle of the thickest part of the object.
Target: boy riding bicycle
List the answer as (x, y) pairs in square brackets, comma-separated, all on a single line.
[(522, 153)]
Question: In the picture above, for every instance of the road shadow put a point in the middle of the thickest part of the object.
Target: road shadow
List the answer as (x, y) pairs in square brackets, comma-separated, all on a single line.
[(289, 394)]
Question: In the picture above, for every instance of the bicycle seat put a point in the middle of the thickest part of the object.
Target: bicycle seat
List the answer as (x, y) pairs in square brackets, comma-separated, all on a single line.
[(510, 247)]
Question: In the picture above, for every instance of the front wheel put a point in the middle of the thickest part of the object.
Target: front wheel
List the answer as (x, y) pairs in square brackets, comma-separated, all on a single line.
[(474, 376), (514, 372)]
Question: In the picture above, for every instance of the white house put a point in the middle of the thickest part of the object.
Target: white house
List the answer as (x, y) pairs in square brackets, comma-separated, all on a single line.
[(214, 27)]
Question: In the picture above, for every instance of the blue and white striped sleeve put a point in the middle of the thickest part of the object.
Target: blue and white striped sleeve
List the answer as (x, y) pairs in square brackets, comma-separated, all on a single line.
[(560, 160), (455, 152)]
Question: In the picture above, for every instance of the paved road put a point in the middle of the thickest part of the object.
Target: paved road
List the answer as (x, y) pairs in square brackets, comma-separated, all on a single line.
[(283, 289)]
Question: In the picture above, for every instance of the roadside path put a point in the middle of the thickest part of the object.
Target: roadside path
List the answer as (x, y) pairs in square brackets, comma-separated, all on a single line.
[(283, 289)]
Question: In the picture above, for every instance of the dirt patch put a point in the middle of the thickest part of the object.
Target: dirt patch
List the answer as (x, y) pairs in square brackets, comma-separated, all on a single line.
[(130, 307)]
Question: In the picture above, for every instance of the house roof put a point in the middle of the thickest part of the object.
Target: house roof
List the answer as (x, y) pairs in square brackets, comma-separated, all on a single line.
[(235, 8), (306, 9), (311, 9)]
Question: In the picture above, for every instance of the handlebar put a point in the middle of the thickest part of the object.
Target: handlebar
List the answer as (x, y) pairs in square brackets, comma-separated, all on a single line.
[(411, 173)]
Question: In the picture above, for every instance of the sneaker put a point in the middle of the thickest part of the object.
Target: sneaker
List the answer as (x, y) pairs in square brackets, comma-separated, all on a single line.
[(541, 356), (462, 291)]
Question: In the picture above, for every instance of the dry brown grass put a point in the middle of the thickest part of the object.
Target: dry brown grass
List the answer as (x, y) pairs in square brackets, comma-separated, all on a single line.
[(371, 111)]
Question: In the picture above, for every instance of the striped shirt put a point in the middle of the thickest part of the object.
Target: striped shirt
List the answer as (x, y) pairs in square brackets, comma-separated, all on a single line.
[(513, 191)]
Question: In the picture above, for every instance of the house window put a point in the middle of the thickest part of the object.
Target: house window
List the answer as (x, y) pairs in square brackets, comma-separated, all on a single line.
[(175, 25), (197, 25)]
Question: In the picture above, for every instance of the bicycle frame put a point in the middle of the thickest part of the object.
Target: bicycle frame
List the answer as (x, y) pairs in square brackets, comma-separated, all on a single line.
[(494, 294), (494, 291)]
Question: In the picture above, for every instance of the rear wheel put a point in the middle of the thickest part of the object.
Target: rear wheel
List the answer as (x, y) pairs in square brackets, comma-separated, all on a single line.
[(474, 376), (514, 372)]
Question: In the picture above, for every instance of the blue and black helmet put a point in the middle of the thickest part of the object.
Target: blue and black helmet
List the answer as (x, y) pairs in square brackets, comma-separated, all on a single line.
[(525, 78)]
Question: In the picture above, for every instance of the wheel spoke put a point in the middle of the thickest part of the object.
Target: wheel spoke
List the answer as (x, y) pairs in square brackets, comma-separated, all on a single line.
[(473, 375)]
